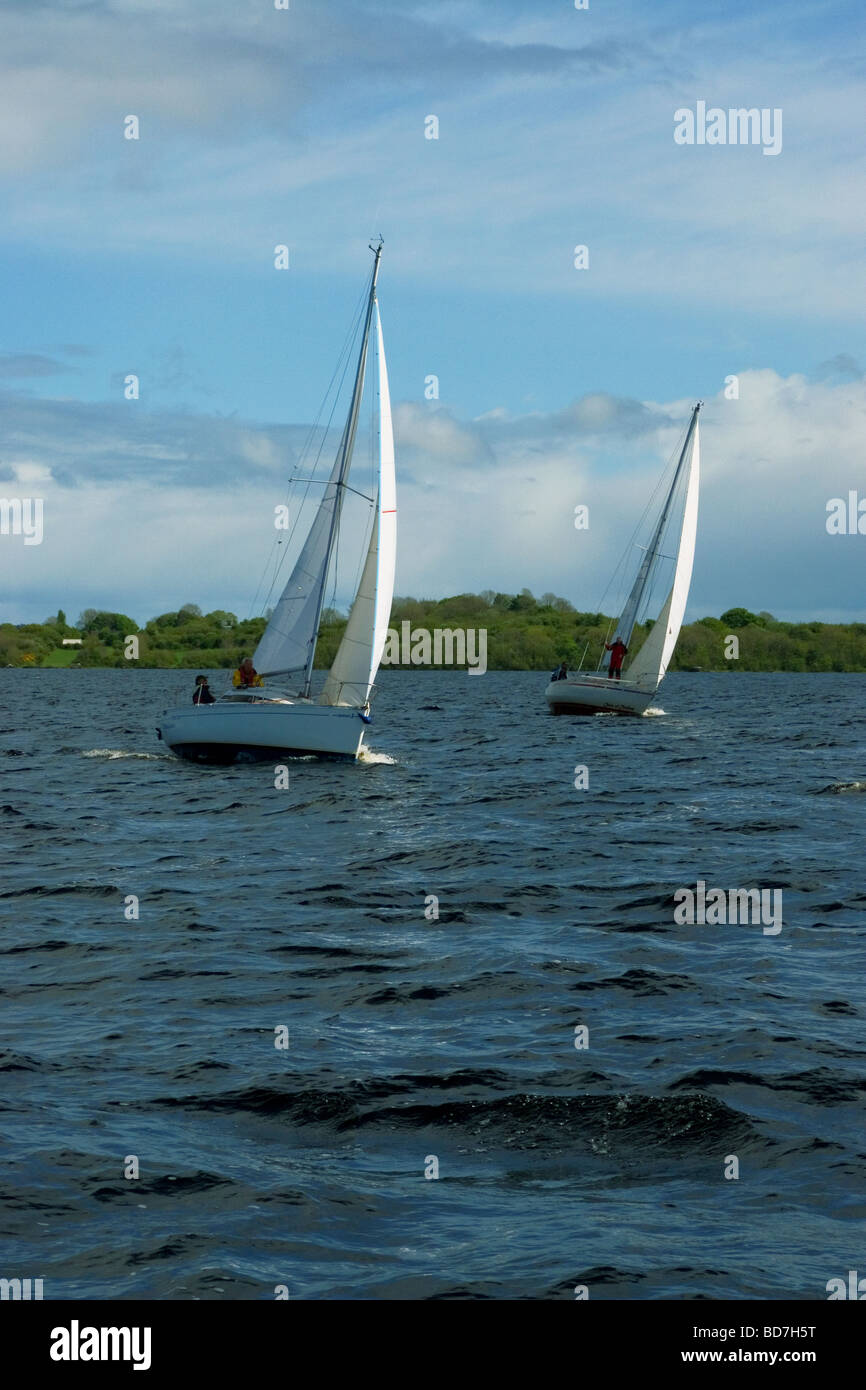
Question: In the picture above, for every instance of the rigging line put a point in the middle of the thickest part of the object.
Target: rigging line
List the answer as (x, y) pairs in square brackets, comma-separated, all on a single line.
[(374, 396), (346, 359), (657, 584), (343, 357), (281, 555), (280, 551), (660, 487), (324, 482), (646, 511), (335, 565), (346, 356)]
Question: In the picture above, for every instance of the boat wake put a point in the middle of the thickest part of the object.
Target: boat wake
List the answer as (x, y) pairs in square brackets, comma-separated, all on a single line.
[(653, 712), (837, 787), (123, 753), (367, 755)]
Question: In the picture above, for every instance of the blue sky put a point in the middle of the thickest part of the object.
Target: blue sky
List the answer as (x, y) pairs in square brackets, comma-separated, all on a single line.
[(558, 386)]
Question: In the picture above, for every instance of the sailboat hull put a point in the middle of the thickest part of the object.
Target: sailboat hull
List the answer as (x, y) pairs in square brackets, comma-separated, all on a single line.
[(231, 731), (597, 695)]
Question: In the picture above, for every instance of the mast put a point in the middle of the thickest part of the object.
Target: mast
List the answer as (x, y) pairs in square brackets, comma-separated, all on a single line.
[(353, 670), (344, 454), (628, 617)]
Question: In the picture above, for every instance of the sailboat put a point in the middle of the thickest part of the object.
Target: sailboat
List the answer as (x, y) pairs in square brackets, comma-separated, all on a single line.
[(270, 720), (634, 691)]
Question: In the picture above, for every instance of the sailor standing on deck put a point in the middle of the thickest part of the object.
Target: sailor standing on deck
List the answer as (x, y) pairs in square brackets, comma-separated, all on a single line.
[(618, 650)]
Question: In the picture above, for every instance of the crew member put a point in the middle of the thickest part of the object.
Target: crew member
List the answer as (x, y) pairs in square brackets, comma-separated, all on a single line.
[(561, 674), (201, 695), (246, 675), (618, 650)]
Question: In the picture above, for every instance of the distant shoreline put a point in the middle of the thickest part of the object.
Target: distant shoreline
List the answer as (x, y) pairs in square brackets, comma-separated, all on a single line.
[(523, 634), (434, 670)]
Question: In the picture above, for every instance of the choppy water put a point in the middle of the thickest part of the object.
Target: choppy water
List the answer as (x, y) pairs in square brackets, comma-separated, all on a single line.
[(450, 1039)]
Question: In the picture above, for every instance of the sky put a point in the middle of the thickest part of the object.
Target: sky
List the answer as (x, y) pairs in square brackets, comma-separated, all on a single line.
[(558, 385)]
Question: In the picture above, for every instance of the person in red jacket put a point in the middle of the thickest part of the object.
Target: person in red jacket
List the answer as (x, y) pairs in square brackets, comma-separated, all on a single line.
[(618, 650)]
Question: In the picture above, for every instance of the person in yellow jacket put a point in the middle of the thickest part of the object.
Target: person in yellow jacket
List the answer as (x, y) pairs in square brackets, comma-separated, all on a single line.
[(246, 675)]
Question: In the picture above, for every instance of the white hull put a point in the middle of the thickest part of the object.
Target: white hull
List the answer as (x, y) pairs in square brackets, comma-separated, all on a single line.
[(241, 728), (597, 695)]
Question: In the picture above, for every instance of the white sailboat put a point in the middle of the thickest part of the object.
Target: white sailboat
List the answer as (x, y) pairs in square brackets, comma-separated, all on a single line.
[(269, 721), (634, 691)]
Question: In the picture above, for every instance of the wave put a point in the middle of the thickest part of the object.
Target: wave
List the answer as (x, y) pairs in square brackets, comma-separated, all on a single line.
[(513, 1121), (124, 753), (835, 788), (367, 755), (88, 890)]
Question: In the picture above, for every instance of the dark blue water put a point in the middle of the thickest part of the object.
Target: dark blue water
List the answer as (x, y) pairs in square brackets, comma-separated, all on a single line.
[(451, 1039)]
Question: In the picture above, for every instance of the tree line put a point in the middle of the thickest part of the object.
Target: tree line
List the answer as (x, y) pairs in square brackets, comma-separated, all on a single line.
[(523, 633)]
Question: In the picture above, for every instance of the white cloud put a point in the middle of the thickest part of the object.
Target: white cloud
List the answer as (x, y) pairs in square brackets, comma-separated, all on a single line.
[(482, 504), (256, 121)]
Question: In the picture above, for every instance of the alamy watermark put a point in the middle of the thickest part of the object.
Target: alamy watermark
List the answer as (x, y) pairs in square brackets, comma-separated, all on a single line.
[(846, 520), (77, 1343), (737, 126), (854, 1289), (736, 907), (23, 1289), (445, 646), (22, 516)]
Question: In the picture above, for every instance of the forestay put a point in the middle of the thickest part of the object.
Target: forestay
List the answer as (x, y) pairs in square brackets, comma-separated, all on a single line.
[(357, 661), (649, 564), (651, 662), (288, 642)]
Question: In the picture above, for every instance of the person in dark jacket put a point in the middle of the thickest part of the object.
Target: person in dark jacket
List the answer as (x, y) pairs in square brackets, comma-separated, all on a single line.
[(561, 674), (201, 695)]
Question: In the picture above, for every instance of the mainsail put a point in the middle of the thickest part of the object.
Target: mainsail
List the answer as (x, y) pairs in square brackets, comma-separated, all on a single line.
[(354, 669), (651, 662), (652, 555), (288, 643)]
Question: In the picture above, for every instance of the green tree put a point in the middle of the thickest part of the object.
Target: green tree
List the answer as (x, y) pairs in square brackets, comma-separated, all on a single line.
[(221, 619), (108, 628), (739, 617)]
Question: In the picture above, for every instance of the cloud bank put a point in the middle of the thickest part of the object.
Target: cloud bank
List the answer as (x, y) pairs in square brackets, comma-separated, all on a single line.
[(146, 511)]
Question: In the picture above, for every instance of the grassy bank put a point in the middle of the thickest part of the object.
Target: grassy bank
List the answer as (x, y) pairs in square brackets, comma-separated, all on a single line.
[(523, 633)]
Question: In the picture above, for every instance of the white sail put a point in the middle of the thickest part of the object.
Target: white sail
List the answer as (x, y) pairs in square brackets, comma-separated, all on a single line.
[(357, 661), (286, 641), (651, 662)]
